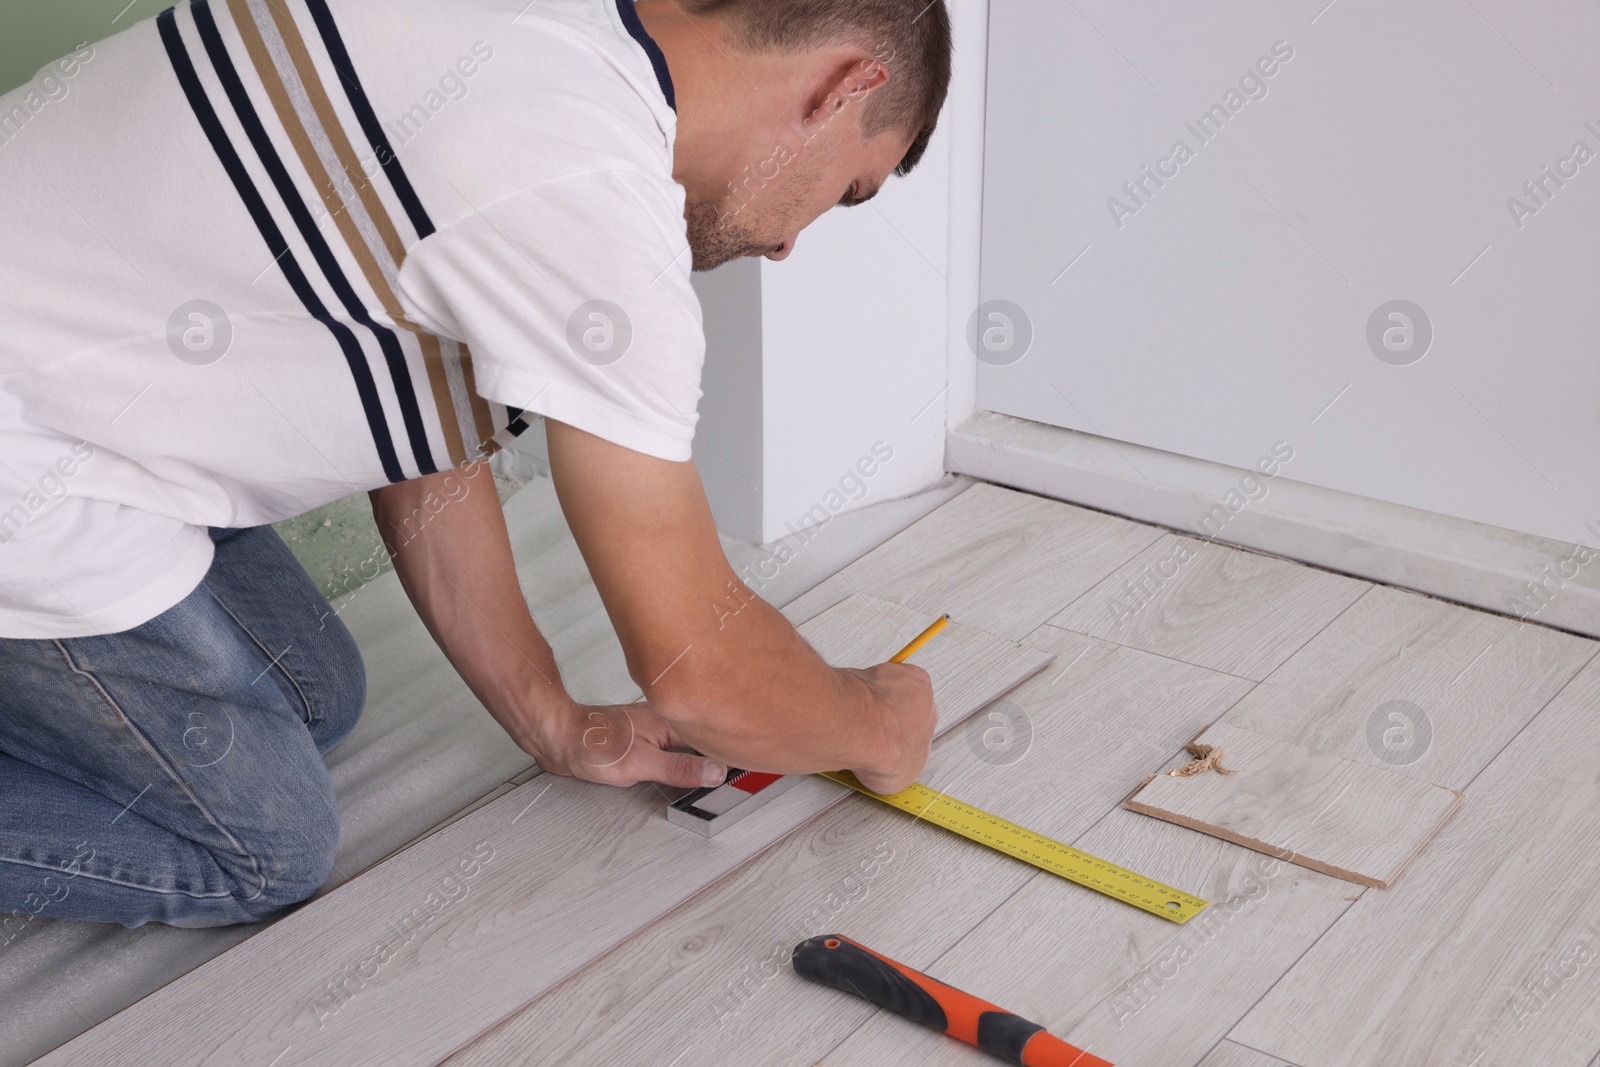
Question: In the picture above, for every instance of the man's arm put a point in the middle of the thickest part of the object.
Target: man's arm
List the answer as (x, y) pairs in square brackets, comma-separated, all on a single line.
[(724, 668), (448, 537)]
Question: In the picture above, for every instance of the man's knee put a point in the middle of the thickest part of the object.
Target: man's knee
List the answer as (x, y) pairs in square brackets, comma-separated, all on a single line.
[(292, 861)]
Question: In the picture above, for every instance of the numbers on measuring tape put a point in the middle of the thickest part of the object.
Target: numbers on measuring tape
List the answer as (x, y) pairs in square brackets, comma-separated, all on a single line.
[(1035, 849)]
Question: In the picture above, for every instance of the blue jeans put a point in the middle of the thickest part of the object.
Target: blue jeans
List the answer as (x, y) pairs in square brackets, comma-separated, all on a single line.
[(173, 772)]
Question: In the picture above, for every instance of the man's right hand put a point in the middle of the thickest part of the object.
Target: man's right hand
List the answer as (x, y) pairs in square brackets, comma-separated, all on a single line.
[(905, 694)]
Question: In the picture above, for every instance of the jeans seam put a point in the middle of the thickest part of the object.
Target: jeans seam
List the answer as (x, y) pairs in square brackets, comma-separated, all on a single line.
[(114, 881), (274, 663), (161, 761)]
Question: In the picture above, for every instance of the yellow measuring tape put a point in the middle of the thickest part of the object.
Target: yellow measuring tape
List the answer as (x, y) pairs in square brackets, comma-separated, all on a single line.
[(1029, 847), (1025, 845)]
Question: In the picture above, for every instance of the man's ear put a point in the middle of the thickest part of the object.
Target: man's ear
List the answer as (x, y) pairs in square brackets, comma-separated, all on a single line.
[(863, 77), (852, 85)]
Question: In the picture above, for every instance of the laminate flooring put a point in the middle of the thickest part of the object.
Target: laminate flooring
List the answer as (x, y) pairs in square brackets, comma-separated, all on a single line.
[(592, 931), (1352, 820)]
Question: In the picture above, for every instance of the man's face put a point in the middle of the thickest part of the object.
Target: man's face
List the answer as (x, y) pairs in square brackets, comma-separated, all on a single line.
[(812, 166)]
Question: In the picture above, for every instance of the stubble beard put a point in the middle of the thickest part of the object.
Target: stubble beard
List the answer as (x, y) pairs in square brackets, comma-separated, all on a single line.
[(715, 237)]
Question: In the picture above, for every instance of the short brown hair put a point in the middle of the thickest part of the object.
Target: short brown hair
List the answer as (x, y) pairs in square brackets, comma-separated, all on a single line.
[(915, 33)]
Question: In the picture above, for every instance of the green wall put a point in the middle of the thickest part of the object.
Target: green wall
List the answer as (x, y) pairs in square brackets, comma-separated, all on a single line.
[(33, 32)]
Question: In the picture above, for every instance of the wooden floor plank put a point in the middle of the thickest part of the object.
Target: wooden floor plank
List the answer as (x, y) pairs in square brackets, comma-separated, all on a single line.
[(1350, 820), (590, 931), (1231, 1054), (1000, 560), (1212, 605), (1114, 980), (1488, 951), (1426, 688), (409, 961), (710, 982)]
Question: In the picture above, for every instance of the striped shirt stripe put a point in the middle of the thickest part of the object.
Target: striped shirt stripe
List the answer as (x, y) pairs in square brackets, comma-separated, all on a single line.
[(206, 116), (334, 43), (284, 65), (479, 408), (471, 411), (388, 343), (385, 154)]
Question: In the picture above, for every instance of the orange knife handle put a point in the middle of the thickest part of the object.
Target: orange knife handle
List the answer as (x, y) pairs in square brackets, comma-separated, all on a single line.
[(849, 966)]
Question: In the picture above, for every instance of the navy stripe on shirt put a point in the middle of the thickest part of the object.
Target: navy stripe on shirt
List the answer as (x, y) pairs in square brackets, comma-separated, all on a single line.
[(333, 41), (366, 389), (388, 343), (636, 30)]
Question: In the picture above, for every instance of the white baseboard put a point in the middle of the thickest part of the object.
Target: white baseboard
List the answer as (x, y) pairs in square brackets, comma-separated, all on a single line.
[(1482, 566)]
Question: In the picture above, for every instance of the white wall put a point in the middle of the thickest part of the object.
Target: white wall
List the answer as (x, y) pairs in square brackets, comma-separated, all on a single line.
[(853, 327), (1229, 311)]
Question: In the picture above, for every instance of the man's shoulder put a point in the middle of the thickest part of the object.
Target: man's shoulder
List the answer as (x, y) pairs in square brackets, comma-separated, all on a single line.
[(604, 37), (481, 99)]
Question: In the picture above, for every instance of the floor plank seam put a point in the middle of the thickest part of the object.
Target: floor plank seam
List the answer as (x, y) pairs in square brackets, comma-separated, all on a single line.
[(1339, 615), (1496, 614), (1291, 652), (568, 976), (1287, 969), (1337, 919), (1270, 1055), (1147, 652), (1212, 1048), (1096, 583), (733, 868), (443, 824), (1532, 718), (1308, 642), (1190, 535), (837, 1045), (1209, 1052)]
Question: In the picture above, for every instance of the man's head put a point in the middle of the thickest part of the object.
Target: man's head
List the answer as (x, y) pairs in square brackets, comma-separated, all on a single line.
[(789, 107)]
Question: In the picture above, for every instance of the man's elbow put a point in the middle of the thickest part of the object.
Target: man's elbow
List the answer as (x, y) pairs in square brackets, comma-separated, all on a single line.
[(696, 696)]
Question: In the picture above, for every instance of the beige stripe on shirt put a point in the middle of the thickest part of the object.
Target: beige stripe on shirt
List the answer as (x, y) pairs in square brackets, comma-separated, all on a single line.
[(283, 62)]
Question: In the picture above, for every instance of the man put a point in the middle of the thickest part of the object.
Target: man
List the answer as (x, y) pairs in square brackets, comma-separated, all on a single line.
[(261, 254)]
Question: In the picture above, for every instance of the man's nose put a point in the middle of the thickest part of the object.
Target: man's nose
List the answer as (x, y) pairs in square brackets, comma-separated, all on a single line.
[(782, 251)]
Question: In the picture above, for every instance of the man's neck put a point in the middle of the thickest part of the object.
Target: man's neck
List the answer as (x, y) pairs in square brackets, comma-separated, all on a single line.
[(720, 91)]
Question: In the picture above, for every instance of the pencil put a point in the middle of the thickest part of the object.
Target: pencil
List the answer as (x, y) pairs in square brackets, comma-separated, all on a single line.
[(921, 639)]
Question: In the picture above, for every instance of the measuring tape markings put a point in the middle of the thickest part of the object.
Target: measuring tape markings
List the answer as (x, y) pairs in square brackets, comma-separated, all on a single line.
[(1048, 855)]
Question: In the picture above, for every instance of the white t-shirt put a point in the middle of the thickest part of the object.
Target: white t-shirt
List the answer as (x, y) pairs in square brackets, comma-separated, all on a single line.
[(257, 255)]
